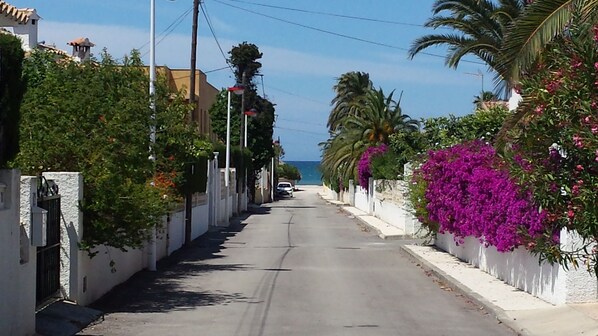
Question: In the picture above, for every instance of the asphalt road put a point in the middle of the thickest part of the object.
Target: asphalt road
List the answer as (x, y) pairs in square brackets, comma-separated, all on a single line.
[(297, 267)]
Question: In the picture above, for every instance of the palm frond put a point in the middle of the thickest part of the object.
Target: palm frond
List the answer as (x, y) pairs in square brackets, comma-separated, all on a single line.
[(539, 24)]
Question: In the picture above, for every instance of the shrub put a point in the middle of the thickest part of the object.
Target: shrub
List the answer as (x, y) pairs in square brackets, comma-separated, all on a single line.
[(554, 147), (364, 170), (469, 193)]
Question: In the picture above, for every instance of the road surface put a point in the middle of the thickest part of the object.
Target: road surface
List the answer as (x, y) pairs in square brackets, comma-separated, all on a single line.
[(296, 267)]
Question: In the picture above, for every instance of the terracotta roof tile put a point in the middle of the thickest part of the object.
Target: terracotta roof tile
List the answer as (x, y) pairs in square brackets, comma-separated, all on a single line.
[(19, 15), (81, 41)]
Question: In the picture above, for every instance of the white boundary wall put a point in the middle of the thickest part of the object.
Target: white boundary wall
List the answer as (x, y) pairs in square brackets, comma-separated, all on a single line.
[(361, 199), (85, 279), (520, 269), (17, 256)]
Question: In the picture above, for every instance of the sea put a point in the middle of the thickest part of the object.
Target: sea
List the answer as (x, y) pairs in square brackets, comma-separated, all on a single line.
[(310, 174)]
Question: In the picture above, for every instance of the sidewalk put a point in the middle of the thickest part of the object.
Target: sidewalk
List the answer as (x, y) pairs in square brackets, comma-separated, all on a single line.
[(522, 312)]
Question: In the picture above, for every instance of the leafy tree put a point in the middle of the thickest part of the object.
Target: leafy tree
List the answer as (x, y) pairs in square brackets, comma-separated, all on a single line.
[(95, 118), (478, 28), (288, 172), (483, 124), (244, 59), (12, 87)]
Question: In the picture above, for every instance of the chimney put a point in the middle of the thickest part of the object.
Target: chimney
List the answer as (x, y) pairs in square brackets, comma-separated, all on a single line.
[(81, 48)]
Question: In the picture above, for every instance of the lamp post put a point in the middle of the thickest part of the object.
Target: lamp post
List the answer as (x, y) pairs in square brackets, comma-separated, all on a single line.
[(250, 113), (152, 249), (238, 90)]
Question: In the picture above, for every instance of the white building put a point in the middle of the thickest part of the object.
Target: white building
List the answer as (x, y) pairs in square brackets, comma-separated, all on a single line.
[(22, 22)]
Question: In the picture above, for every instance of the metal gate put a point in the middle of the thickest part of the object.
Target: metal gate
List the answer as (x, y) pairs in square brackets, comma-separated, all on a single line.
[(48, 256)]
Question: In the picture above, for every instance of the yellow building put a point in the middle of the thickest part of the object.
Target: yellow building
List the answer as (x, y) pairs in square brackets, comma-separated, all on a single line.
[(205, 95)]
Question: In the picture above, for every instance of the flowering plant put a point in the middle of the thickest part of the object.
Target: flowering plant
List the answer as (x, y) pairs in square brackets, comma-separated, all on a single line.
[(554, 147), (364, 167), (468, 192)]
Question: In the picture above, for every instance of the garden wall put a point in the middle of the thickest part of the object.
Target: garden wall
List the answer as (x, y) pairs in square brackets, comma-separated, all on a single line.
[(17, 258), (520, 269), (85, 279)]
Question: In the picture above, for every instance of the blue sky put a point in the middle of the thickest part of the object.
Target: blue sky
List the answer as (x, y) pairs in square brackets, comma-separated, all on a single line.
[(300, 64)]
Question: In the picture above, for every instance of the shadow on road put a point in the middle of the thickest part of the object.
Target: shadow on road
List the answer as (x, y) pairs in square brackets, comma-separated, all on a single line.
[(172, 288)]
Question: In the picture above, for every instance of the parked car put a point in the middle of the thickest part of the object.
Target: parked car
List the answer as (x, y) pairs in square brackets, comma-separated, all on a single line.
[(284, 189)]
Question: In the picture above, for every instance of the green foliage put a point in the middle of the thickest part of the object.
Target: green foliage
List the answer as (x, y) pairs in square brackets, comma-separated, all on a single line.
[(288, 171), (95, 118), (476, 28), (387, 166), (367, 117), (244, 58), (483, 124), (553, 149), (417, 199), (12, 88)]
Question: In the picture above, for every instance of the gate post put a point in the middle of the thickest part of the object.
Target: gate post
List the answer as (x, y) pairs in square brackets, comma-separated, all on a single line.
[(72, 277)]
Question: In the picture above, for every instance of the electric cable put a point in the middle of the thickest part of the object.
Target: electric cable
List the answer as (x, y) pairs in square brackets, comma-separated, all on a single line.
[(381, 44), (178, 19), (206, 16), (301, 131), (330, 14)]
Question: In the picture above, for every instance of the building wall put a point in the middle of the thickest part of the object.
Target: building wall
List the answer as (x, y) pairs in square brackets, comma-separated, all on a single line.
[(205, 95), (17, 283)]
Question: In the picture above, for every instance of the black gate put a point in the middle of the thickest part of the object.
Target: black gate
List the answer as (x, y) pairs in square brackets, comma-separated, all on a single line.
[(48, 256)]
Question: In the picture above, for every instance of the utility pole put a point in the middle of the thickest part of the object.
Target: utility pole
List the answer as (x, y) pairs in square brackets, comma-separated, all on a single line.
[(192, 102), (241, 179)]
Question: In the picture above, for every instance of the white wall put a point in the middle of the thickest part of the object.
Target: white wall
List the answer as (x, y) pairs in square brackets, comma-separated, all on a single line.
[(361, 199), (520, 269), (17, 283), (85, 279)]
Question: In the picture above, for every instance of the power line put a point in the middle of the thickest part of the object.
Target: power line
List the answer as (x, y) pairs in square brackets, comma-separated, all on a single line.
[(335, 33), (204, 11), (331, 14), (301, 131), (295, 95), (219, 69), (176, 21), (302, 122), (171, 28)]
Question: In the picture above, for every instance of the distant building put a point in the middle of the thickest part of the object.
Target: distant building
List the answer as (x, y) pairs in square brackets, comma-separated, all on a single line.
[(21, 22)]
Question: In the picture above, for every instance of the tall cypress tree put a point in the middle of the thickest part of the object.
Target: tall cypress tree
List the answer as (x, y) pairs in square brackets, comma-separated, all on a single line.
[(12, 88)]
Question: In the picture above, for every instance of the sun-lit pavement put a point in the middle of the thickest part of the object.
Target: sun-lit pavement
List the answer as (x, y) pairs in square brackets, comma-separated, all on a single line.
[(297, 267), (521, 311)]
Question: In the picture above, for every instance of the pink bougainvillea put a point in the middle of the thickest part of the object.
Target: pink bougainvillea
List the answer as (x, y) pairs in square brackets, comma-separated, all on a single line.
[(364, 167), (468, 194)]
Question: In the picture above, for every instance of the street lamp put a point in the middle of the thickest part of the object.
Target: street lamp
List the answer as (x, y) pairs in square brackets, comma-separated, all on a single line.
[(249, 113), (238, 90)]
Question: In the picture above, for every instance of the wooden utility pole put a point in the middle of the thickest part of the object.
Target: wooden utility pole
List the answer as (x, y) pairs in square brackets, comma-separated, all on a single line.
[(193, 103)]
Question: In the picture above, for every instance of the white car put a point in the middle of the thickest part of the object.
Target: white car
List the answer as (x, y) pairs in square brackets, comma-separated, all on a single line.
[(284, 189)]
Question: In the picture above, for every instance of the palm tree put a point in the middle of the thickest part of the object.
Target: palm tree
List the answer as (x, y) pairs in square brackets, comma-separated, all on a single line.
[(374, 119), (484, 97), (350, 89), (479, 28), (379, 118), (541, 22)]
